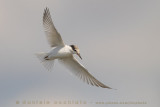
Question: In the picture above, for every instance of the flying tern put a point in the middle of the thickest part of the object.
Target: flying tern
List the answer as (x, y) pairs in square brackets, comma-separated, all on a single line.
[(64, 53)]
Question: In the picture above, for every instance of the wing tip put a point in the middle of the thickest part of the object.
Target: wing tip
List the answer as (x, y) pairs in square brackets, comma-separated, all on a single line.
[(108, 87), (46, 9)]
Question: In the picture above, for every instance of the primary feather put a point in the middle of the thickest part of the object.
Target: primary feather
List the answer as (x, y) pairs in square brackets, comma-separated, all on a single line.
[(53, 37), (81, 72)]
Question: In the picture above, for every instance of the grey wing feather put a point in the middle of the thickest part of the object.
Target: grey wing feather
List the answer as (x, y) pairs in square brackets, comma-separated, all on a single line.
[(81, 72), (53, 37)]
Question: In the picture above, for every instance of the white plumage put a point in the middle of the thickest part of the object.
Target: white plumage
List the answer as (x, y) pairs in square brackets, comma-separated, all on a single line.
[(64, 53)]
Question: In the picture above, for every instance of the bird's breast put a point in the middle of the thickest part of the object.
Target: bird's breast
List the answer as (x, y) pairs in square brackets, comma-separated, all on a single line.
[(59, 52)]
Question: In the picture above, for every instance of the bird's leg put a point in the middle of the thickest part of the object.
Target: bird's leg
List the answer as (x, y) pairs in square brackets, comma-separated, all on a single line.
[(46, 58)]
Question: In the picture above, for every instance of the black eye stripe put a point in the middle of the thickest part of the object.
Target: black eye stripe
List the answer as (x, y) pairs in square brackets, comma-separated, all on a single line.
[(73, 47)]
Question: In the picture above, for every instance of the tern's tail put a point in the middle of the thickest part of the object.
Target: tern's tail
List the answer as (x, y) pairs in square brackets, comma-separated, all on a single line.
[(48, 64)]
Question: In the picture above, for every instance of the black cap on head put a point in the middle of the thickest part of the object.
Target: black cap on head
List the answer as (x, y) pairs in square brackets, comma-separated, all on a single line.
[(73, 47)]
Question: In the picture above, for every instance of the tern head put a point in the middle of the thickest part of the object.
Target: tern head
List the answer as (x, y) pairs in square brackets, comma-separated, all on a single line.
[(75, 50)]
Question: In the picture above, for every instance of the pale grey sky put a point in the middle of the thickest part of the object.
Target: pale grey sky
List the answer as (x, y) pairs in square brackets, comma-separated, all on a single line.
[(125, 33)]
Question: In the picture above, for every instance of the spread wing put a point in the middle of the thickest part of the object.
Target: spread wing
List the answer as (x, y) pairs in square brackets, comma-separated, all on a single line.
[(53, 37), (81, 72)]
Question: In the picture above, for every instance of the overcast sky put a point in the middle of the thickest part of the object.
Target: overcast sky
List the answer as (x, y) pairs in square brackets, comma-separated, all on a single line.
[(119, 41)]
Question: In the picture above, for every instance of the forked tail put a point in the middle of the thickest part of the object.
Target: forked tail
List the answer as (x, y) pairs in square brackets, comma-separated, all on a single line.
[(48, 64)]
